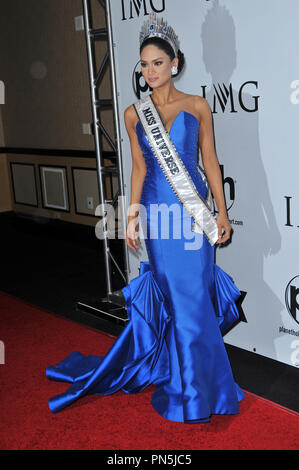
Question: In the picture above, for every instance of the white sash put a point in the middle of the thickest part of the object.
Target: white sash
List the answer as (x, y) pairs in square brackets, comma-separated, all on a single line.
[(175, 170)]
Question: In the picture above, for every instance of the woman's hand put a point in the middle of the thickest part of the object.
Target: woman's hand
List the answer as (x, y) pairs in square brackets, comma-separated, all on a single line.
[(132, 238), (224, 228)]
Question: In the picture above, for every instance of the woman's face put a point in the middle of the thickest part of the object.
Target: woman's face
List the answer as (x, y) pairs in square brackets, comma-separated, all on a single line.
[(156, 66)]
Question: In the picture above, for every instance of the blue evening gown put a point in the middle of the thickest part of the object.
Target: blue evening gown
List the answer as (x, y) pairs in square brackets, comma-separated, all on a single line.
[(179, 307)]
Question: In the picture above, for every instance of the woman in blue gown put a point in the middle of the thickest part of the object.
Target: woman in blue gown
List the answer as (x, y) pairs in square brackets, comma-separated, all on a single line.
[(181, 303)]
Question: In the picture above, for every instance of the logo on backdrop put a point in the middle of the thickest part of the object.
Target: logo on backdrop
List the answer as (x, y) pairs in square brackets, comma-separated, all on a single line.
[(292, 298), (223, 99), (131, 8), (139, 84), (228, 188), (289, 212)]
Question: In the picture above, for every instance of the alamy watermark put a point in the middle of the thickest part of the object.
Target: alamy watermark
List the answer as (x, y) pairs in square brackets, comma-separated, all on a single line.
[(295, 354), (2, 352), (2, 92), (153, 221)]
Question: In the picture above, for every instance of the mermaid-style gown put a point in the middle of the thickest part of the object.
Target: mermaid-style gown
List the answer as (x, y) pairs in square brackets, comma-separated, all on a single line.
[(179, 306)]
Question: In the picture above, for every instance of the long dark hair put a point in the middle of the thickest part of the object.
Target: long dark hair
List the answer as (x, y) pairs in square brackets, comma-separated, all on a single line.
[(166, 47)]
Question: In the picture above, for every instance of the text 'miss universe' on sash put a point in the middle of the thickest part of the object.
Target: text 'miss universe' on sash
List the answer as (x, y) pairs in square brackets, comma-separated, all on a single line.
[(175, 170)]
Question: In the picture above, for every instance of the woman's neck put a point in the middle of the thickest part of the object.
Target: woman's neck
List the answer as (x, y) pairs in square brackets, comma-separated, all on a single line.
[(165, 94)]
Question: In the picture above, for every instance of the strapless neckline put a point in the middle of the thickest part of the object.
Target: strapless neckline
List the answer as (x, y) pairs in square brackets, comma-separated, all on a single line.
[(175, 119)]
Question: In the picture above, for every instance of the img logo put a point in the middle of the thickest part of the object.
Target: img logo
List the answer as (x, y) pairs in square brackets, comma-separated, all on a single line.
[(227, 99), (131, 9), (292, 298), (289, 211)]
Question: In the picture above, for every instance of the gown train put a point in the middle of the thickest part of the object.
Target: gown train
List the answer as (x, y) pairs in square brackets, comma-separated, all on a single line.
[(179, 307)]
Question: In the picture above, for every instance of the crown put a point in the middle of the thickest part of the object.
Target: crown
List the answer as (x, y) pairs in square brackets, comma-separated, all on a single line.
[(157, 27)]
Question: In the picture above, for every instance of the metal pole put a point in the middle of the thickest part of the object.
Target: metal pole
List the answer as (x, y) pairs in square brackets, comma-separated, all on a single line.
[(118, 139), (94, 97), (113, 306)]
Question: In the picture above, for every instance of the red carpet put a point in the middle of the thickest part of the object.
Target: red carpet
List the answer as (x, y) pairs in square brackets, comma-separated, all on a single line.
[(35, 339)]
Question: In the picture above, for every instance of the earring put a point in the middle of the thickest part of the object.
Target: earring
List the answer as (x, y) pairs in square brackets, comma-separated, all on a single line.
[(174, 70)]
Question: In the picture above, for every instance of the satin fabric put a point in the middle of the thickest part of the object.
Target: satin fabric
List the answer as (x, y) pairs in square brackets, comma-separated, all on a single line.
[(174, 169), (179, 306)]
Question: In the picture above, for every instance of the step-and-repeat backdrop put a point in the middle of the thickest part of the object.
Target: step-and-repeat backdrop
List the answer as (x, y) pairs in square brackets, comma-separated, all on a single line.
[(242, 56)]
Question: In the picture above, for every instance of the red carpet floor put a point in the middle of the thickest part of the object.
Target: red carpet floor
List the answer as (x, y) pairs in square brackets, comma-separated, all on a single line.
[(35, 339)]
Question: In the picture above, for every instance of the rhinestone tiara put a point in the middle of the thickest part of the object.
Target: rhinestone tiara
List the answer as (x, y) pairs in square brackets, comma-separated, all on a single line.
[(157, 27)]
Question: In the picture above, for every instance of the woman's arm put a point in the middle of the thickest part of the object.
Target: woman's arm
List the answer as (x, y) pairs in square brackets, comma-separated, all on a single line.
[(137, 177), (211, 166)]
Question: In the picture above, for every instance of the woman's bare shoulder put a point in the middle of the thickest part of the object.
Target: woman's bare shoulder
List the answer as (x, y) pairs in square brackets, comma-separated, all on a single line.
[(130, 118), (201, 104), (196, 104)]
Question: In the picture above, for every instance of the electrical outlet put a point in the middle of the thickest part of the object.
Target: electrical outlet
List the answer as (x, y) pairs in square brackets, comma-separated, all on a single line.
[(90, 202), (79, 23), (86, 127)]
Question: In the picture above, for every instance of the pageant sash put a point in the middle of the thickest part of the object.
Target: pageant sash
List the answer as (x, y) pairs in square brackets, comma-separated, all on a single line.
[(174, 169)]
